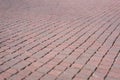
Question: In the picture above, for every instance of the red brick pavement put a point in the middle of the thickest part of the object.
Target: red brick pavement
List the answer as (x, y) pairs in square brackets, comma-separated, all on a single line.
[(82, 48)]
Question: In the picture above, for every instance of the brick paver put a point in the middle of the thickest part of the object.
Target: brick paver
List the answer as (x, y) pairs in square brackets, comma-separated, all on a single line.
[(80, 48)]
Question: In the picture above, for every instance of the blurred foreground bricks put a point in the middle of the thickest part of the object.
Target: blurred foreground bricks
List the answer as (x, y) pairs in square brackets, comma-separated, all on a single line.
[(86, 48)]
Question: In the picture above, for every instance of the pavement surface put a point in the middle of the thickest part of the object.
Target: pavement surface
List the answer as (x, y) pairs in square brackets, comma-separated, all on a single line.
[(59, 40)]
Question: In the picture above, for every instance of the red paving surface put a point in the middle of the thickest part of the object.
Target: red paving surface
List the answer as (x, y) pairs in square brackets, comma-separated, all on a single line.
[(84, 47)]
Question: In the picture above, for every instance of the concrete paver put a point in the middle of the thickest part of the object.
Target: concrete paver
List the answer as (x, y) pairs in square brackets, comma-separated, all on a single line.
[(61, 47)]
